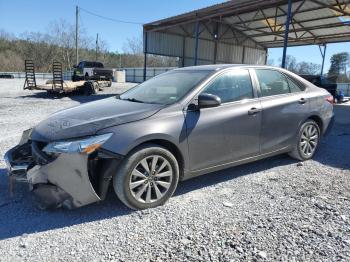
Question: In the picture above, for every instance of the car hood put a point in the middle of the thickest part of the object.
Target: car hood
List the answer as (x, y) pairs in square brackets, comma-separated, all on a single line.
[(87, 119)]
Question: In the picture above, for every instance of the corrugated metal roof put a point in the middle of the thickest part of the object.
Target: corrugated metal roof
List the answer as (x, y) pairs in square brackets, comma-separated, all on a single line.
[(261, 23)]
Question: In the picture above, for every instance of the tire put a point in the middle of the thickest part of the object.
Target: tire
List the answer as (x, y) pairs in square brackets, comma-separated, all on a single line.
[(96, 87), (89, 88), (307, 141), (127, 185), (75, 78)]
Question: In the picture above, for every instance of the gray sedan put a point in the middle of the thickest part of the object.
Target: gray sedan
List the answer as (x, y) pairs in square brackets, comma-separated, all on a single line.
[(180, 124)]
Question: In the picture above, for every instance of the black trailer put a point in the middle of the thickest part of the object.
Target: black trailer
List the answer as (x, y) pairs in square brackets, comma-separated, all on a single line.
[(58, 85)]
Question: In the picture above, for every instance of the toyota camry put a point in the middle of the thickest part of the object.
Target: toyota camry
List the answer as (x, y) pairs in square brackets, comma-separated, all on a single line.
[(175, 126)]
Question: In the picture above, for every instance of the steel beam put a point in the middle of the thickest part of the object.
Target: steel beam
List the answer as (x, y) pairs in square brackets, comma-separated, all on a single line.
[(145, 57), (299, 21), (196, 43), (282, 15), (285, 44), (243, 55), (234, 10), (215, 36), (323, 54), (76, 35), (334, 8), (183, 51), (322, 39)]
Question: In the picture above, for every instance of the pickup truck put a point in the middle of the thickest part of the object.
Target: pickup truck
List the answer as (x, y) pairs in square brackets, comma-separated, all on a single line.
[(322, 82), (88, 70)]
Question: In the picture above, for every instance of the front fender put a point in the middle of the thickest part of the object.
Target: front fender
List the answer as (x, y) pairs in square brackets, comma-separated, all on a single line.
[(171, 128)]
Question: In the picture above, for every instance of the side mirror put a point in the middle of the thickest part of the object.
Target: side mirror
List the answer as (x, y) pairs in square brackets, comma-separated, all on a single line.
[(206, 100)]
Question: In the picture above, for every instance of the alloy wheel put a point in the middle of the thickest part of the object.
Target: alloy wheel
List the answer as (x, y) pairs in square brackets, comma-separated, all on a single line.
[(151, 179), (309, 140)]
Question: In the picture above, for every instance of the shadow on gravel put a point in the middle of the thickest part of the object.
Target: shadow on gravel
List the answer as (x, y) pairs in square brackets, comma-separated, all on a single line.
[(74, 96), (18, 215), (334, 149), (232, 173)]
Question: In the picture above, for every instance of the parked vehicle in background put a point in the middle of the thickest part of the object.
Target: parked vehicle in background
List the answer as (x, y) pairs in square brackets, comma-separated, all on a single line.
[(177, 125), (88, 70), (322, 82)]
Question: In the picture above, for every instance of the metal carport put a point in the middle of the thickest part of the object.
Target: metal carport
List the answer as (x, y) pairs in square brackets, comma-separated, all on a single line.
[(241, 31)]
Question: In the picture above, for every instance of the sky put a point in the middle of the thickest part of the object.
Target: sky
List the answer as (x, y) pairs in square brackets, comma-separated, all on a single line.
[(19, 16)]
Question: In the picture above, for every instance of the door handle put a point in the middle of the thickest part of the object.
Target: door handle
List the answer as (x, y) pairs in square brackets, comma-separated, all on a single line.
[(302, 101), (254, 111)]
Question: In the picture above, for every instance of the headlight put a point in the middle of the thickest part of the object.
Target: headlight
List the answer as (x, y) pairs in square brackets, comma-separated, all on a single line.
[(84, 145), (25, 136)]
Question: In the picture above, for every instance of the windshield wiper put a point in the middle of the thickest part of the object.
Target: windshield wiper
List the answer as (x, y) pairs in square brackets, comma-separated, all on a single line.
[(132, 100)]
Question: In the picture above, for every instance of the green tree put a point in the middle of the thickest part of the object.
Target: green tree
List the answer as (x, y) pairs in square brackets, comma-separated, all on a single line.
[(338, 70)]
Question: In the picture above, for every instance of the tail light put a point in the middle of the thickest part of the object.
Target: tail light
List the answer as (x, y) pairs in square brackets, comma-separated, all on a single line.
[(330, 99)]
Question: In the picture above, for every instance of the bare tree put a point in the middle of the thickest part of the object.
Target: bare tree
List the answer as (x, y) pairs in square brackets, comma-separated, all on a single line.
[(270, 62), (58, 43), (63, 37), (291, 63), (133, 46), (307, 68)]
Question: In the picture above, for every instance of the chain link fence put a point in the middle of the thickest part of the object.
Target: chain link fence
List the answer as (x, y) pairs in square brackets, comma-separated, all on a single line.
[(344, 87), (134, 75)]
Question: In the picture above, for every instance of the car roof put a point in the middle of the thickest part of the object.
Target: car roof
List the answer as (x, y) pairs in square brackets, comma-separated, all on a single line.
[(218, 67)]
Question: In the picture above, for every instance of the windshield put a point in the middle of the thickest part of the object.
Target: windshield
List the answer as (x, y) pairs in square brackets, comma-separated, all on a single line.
[(93, 64), (166, 88)]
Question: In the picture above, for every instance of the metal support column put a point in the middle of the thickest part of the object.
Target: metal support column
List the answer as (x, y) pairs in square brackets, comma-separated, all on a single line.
[(215, 51), (323, 54), (216, 37), (243, 54), (96, 54), (145, 57), (183, 51), (286, 34), (196, 47), (76, 34)]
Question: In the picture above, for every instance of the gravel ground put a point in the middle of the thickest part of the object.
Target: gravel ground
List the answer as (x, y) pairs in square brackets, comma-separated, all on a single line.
[(271, 210)]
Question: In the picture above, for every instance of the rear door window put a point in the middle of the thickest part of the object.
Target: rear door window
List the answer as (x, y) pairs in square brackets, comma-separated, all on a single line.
[(294, 87), (231, 86), (272, 82)]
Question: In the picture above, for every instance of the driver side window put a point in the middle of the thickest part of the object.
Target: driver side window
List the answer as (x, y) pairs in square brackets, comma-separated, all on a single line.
[(231, 86)]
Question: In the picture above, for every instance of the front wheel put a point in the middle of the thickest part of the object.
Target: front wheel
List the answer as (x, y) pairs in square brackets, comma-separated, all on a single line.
[(147, 177), (307, 141)]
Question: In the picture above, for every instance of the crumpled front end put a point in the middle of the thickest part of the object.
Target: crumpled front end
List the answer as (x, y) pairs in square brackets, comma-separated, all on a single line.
[(62, 174)]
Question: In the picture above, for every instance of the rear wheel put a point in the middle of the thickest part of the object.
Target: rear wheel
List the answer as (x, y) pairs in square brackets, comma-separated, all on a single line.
[(96, 87), (147, 177), (307, 141), (90, 88), (75, 78)]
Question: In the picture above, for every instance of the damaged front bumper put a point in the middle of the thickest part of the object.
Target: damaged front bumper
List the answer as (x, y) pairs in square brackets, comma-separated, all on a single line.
[(67, 180)]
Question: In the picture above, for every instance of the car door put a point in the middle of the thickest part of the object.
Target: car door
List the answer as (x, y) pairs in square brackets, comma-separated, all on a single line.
[(284, 107), (230, 131)]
